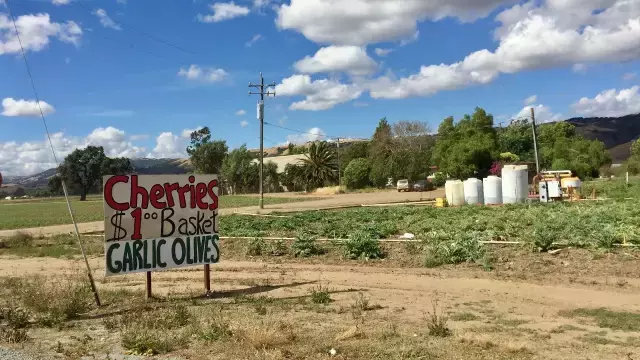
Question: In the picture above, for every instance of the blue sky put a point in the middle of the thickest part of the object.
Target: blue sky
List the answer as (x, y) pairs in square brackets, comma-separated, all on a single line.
[(108, 76)]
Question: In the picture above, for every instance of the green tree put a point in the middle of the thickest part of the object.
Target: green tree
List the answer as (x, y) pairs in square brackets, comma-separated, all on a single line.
[(411, 150), (271, 177), (467, 148), (84, 168), (319, 165), (54, 185), (206, 157), (633, 164), (293, 177), (357, 150), (356, 175), (517, 138), (240, 173), (380, 153)]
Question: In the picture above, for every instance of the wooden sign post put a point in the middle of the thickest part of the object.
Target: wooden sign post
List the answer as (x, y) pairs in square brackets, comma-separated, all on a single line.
[(160, 222)]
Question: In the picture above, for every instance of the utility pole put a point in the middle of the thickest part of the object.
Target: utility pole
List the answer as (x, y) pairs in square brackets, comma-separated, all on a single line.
[(339, 176), (535, 140), (263, 90)]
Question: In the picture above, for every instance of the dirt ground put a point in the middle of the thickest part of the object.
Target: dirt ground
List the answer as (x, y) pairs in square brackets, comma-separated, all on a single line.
[(324, 201), (517, 311)]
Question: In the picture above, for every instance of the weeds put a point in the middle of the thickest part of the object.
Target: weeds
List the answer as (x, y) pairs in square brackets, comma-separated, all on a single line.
[(214, 330), (18, 240), (361, 246), (256, 247), (16, 321), (305, 246), (437, 323), (278, 248), (150, 332), (320, 295)]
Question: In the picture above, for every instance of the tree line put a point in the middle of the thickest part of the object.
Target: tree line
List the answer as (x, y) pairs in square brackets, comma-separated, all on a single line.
[(469, 147)]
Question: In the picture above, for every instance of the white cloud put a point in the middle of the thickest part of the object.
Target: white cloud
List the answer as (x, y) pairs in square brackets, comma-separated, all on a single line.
[(261, 3), (240, 112), (35, 156), (383, 52), (244, 123), (351, 59), (253, 40), (319, 94), (224, 11), (361, 22), (610, 103), (195, 72), (629, 76), (12, 107), (312, 134), (122, 2), (579, 68), (531, 99), (169, 145), (139, 137), (186, 133), (559, 33), (61, 2), (36, 32), (543, 114), (105, 20)]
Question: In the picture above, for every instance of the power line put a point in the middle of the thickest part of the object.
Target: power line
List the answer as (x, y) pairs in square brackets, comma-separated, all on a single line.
[(64, 186), (145, 34), (301, 132)]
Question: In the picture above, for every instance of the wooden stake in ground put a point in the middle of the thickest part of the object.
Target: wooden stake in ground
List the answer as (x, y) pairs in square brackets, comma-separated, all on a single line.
[(207, 279), (148, 295)]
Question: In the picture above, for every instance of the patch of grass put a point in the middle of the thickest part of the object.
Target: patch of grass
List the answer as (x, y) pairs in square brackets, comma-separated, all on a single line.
[(320, 295), (465, 316), (18, 240), (566, 327), (267, 336), (53, 211), (437, 322), (361, 303), (50, 300), (215, 329), (156, 331), (305, 246), (13, 324), (615, 320), (360, 245)]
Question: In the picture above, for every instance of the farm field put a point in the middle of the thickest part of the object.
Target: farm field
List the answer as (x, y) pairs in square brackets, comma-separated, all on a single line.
[(44, 212), (565, 287)]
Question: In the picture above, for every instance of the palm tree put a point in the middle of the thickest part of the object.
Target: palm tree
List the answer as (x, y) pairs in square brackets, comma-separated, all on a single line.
[(319, 165)]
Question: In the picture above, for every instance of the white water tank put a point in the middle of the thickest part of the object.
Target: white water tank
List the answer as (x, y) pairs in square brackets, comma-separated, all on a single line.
[(492, 189), (454, 190), (473, 191), (515, 184)]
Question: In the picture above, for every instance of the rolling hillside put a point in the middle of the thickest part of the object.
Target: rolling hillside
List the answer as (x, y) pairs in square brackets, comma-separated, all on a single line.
[(617, 134)]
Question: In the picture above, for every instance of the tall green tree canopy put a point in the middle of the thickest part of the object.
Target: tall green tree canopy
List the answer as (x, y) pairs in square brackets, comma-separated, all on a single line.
[(206, 156), (380, 153), (83, 168), (466, 148), (239, 171)]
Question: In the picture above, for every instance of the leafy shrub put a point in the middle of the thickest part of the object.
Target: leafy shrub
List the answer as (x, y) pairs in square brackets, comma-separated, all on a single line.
[(256, 247), (320, 295), (356, 175), (462, 248), (360, 245), (278, 248), (543, 237), (305, 246), (439, 179)]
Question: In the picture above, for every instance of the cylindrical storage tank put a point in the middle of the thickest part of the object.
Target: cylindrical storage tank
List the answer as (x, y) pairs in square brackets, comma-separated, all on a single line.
[(454, 190), (515, 184), (473, 191), (492, 190)]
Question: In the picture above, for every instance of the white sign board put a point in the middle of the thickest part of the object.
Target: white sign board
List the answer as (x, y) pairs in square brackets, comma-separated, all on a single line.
[(158, 222)]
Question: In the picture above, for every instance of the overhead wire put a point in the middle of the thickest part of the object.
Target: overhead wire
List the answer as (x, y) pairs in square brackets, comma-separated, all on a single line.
[(55, 158)]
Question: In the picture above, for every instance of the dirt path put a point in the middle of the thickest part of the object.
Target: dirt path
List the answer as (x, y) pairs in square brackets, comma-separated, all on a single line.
[(513, 314), (327, 201)]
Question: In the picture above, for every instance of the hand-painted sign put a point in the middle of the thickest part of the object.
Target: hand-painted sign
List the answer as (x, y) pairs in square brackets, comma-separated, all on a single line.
[(157, 222)]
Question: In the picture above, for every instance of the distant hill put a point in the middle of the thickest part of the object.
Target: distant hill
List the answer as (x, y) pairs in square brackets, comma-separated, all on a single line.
[(617, 133), (140, 166)]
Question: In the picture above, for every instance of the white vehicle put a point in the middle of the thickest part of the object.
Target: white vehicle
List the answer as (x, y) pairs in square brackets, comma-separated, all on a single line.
[(403, 185)]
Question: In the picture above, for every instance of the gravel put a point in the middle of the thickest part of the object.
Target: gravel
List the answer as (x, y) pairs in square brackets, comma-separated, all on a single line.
[(6, 354)]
